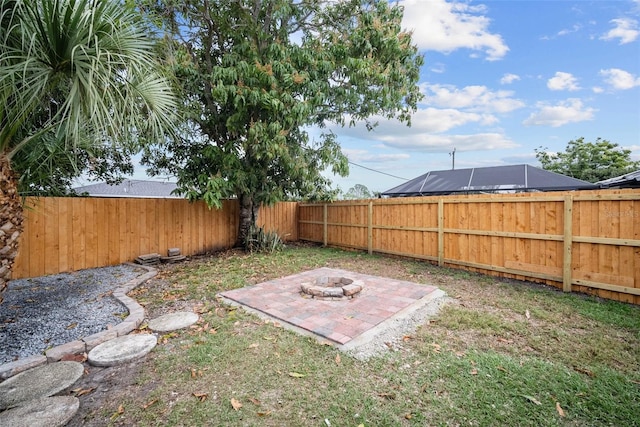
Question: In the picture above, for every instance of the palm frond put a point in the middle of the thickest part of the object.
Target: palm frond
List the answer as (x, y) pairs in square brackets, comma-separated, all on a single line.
[(88, 63)]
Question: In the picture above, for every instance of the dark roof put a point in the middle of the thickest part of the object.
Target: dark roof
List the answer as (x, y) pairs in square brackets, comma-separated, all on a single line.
[(488, 179), (130, 188), (629, 180)]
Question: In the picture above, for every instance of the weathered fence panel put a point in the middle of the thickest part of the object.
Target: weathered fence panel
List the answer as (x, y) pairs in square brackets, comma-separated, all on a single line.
[(68, 234), (586, 241)]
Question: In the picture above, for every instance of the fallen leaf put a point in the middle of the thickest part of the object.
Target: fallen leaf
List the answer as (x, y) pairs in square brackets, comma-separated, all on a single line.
[(584, 371), (82, 391), (504, 340), (408, 416), (152, 402), (116, 414), (474, 372), (74, 358), (72, 325), (390, 396), (532, 399), (407, 338), (559, 409), (236, 404), (500, 368), (255, 401), (436, 347), (254, 345), (264, 414), (527, 314), (338, 359), (269, 338), (201, 396), (296, 375)]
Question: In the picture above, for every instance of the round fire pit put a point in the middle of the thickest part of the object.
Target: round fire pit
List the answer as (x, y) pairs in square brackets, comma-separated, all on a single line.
[(331, 288)]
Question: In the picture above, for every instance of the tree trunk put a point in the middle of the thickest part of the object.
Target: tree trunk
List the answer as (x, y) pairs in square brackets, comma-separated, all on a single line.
[(11, 217), (248, 217)]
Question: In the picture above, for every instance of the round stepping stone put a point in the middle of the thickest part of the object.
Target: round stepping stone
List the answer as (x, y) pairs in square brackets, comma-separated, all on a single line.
[(53, 411), (173, 321), (43, 381), (122, 349)]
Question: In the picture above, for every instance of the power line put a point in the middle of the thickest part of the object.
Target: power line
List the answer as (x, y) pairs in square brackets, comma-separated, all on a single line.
[(376, 171)]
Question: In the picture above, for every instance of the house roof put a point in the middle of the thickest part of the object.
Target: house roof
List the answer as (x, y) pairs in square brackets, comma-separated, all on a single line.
[(130, 188), (487, 179), (629, 180)]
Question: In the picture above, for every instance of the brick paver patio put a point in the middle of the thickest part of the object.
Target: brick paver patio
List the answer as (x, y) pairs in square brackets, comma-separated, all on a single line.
[(337, 321)]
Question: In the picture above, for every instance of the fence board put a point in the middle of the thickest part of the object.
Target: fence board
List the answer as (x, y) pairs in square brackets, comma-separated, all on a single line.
[(520, 236), (65, 234)]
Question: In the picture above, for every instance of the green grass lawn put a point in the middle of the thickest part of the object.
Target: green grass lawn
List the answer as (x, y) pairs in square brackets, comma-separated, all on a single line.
[(501, 353)]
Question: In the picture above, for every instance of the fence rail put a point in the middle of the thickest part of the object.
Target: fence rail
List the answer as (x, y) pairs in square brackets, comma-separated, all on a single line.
[(586, 241), (68, 234)]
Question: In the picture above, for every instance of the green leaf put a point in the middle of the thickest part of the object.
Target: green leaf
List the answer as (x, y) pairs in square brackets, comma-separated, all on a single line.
[(296, 375)]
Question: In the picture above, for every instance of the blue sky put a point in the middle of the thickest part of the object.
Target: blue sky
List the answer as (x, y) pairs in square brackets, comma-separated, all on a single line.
[(502, 78)]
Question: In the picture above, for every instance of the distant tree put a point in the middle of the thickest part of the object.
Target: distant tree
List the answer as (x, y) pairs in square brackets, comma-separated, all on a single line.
[(255, 74), (358, 191), (589, 161)]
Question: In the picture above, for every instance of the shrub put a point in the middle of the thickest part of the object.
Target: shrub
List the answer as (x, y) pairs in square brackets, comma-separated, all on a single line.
[(259, 240)]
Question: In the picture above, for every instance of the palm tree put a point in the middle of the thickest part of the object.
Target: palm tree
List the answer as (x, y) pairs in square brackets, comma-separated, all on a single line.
[(78, 72)]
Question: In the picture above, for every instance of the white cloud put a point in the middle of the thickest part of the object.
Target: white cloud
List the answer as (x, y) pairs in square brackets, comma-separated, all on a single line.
[(625, 29), (574, 29), (569, 111), (597, 89), (426, 142), (438, 68), (563, 81), (509, 78), (447, 26), (620, 79), (473, 98), (366, 156), (436, 120)]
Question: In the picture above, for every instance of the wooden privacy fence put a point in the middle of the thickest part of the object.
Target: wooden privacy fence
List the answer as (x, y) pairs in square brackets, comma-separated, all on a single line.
[(586, 241), (68, 234)]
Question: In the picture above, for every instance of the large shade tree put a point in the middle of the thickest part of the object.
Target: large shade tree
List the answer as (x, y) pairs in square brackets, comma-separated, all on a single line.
[(257, 74), (77, 78), (589, 161)]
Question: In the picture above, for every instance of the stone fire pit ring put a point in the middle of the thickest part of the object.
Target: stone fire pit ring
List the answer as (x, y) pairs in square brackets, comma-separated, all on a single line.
[(332, 288)]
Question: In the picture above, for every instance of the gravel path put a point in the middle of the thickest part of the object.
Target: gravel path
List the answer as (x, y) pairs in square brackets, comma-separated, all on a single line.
[(43, 312)]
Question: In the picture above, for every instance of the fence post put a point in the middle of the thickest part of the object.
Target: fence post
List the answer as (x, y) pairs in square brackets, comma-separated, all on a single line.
[(324, 224), (440, 232), (370, 228), (567, 243)]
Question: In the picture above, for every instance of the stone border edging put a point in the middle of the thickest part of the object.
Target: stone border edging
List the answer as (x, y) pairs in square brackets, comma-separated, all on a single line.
[(131, 322)]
